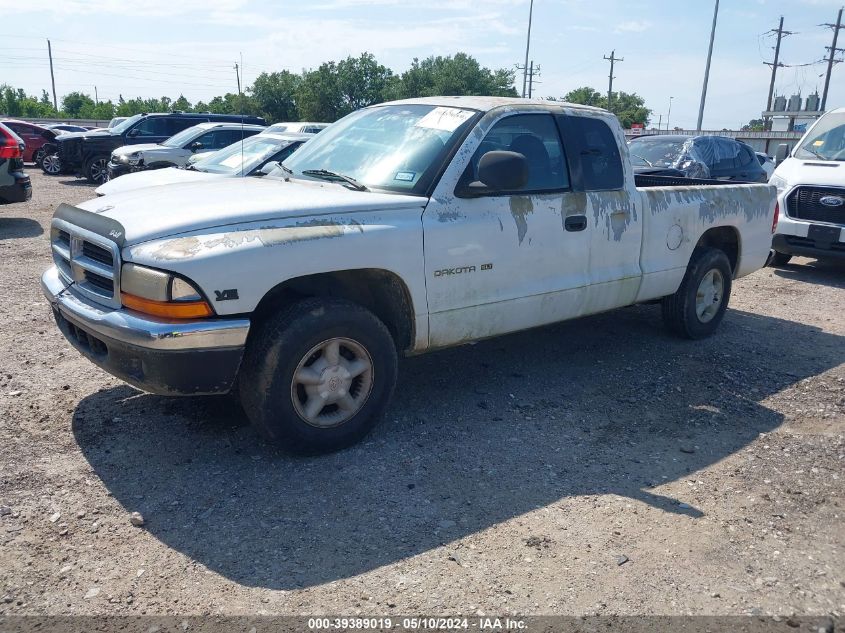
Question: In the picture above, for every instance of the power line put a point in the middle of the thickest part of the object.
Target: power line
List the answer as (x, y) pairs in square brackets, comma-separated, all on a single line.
[(830, 60), (707, 67), (776, 63)]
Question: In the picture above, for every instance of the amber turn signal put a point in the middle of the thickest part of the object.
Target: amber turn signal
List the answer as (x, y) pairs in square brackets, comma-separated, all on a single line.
[(167, 309)]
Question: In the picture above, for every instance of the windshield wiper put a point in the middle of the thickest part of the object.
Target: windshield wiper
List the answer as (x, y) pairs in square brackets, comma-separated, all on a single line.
[(325, 174), (645, 160), (814, 153), (286, 169)]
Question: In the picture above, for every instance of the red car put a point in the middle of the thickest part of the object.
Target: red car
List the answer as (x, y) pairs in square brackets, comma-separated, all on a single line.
[(34, 136)]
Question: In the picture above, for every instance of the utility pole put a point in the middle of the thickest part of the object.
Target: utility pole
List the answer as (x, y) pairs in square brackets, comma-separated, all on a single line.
[(660, 123), (52, 77), (527, 47), (238, 76), (669, 114), (707, 67), (775, 64), (831, 59), (96, 98), (531, 74), (612, 59)]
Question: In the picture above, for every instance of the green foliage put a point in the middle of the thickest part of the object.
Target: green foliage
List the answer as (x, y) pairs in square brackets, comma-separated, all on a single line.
[(326, 93), (755, 125), (275, 95), (453, 76), (628, 107), (17, 104)]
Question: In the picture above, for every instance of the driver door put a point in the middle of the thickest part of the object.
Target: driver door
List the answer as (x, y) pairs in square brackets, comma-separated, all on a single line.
[(506, 261)]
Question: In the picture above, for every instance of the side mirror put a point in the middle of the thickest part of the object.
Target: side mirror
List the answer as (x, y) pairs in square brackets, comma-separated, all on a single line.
[(132, 133), (500, 171), (196, 145), (782, 153)]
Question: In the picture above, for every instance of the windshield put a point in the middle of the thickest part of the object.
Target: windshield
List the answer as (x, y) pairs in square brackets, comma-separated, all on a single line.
[(120, 128), (395, 147), (183, 138), (655, 153), (254, 150), (826, 140)]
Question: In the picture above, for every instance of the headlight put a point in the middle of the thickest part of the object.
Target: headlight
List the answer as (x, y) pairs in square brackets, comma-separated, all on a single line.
[(780, 183), (161, 294)]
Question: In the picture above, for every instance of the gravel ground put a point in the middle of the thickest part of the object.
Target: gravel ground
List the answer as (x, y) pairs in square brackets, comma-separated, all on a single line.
[(597, 466)]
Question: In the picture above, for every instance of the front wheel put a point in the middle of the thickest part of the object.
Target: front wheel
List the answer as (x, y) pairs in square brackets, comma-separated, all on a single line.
[(51, 164), (697, 308), (317, 376), (38, 157), (97, 170)]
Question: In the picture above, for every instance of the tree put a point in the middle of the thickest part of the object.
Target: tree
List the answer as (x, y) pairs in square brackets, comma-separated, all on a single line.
[(182, 104), (628, 107), (73, 103), (454, 76), (336, 89), (275, 95), (755, 125)]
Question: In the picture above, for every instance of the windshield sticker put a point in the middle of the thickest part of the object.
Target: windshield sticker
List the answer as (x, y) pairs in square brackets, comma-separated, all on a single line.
[(405, 176), (446, 119)]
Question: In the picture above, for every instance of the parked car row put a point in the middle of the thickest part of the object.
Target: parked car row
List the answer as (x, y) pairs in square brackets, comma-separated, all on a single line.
[(15, 185)]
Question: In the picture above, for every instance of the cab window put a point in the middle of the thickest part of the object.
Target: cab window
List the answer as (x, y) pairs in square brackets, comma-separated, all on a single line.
[(535, 136)]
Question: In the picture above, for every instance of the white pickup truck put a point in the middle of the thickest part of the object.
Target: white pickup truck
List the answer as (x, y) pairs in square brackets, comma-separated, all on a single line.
[(404, 227)]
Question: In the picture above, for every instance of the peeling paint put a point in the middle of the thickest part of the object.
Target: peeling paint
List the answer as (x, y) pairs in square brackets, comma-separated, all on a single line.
[(521, 208), (615, 210), (449, 216), (188, 247)]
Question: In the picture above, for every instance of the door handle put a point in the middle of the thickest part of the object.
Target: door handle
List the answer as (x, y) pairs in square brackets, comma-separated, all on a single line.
[(575, 223)]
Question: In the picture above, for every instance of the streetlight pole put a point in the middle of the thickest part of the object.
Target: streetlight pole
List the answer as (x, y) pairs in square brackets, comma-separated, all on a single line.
[(707, 67), (669, 114), (527, 47)]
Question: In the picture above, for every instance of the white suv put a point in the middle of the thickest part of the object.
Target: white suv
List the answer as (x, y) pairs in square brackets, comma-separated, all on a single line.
[(175, 151)]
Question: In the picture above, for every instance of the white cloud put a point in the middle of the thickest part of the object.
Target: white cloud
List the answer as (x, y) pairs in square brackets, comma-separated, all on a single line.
[(633, 26)]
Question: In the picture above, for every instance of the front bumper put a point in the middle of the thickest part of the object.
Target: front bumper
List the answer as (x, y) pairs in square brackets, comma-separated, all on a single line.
[(119, 169), (808, 247), (162, 357), (18, 191)]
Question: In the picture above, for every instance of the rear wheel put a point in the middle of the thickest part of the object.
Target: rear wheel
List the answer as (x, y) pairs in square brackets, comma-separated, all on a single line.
[(51, 165), (697, 308), (779, 259), (317, 376), (97, 170)]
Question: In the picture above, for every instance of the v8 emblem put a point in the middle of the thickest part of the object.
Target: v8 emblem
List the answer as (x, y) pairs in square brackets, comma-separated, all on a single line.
[(226, 295)]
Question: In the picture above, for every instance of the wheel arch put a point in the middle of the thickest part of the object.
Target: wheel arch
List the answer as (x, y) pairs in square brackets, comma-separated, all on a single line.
[(382, 292), (725, 238)]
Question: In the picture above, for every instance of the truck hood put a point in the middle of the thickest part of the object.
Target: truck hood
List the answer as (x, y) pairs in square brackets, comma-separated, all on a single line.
[(797, 171), (141, 147), (69, 135), (154, 178), (156, 212)]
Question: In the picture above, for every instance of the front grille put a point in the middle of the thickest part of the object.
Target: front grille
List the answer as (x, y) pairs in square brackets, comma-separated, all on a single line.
[(88, 260), (804, 203)]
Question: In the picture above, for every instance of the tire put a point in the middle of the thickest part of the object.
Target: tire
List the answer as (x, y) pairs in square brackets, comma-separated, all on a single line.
[(690, 312), (779, 259), (97, 170), (290, 352), (38, 157), (51, 165)]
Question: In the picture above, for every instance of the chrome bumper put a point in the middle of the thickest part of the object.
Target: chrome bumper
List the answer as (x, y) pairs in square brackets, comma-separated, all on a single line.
[(133, 329), (163, 357)]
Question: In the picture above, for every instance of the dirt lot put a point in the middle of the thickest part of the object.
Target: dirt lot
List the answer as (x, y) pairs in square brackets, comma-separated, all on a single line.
[(598, 466)]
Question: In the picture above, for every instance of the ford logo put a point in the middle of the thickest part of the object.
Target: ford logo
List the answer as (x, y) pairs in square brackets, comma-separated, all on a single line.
[(832, 201)]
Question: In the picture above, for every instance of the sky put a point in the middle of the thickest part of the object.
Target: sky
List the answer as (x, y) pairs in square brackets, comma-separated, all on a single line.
[(152, 48)]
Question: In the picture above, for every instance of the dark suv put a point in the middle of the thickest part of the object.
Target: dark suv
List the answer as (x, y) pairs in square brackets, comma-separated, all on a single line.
[(88, 153)]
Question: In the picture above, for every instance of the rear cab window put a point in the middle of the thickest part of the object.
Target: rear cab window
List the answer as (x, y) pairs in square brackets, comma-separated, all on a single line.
[(594, 160)]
